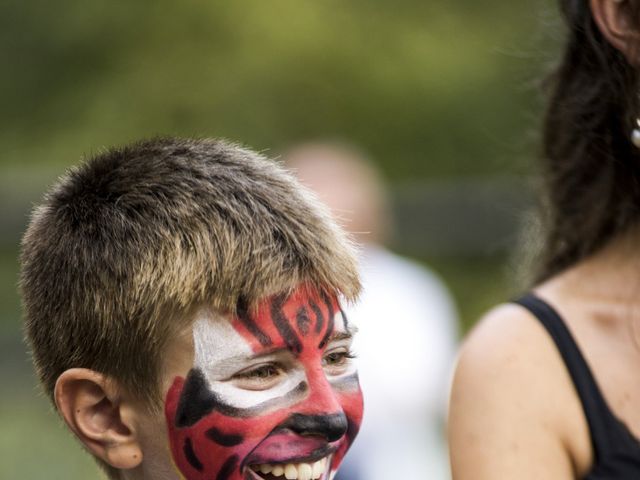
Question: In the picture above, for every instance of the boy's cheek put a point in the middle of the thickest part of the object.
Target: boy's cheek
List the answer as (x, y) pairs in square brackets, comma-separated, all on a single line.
[(353, 406), (214, 445)]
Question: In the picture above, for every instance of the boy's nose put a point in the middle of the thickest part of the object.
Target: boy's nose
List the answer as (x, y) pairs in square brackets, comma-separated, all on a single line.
[(323, 399), (331, 426)]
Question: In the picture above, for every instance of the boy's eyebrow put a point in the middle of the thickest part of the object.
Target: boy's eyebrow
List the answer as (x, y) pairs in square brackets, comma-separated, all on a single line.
[(334, 337), (262, 353), (339, 335), (239, 360)]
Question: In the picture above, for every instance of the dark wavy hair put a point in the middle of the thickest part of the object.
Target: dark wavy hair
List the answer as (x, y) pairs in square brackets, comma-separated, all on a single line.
[(591, 170)]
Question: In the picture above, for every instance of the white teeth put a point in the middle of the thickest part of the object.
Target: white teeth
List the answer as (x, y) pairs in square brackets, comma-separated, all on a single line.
[(317, 469), (298, 471), (304, 471), (290, 472)]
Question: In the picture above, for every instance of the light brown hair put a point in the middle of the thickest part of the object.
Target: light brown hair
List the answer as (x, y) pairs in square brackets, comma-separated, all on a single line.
[(127, 245)]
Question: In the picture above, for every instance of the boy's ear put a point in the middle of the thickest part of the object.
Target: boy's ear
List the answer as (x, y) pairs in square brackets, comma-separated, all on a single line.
[(613, 18), (102, 421)]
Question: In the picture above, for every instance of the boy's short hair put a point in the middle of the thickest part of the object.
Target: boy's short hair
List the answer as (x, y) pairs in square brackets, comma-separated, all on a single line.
[(126, 246)]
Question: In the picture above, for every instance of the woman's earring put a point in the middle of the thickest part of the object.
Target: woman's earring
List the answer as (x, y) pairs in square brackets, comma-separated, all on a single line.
[(635, 134)]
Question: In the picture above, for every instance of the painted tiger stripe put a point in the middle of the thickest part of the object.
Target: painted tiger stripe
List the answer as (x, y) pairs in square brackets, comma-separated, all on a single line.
[(345, 320), (319, 316), (245, 318), (222, 438), (228, 468), (330, 320), (349, 383), (288, 334), (303, 320), (191, 456)]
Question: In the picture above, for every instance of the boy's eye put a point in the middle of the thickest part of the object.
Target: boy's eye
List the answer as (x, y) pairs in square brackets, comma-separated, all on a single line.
[(261, 372), (260, 377), (335, 358), (337, 361)]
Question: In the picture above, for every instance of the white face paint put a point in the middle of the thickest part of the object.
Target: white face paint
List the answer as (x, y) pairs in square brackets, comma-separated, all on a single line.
[(222, 354)]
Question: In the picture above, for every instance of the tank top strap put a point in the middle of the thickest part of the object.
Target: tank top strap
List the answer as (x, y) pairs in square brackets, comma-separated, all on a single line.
[(599, 416)]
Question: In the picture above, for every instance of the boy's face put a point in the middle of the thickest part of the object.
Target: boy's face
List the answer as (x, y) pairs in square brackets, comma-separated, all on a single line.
[(272, 393)]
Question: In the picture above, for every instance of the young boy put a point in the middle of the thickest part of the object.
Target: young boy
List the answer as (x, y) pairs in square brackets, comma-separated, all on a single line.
[(181, 304)]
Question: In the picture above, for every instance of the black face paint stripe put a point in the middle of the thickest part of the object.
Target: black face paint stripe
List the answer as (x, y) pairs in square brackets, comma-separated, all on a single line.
[(346, 384), (319, 316), (197, 401), (331, 426), (223, 439), (303, 320), (352, 429), (191, 456), (228, 468), (252, 326), (344, 318), (330, 321), (282, 324)]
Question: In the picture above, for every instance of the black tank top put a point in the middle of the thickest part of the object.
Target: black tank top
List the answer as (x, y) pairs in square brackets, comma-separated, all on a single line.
[(616, 450)]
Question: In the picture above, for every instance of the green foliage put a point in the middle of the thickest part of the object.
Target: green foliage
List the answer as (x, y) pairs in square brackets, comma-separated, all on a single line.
[(35, 445), (428, 88)]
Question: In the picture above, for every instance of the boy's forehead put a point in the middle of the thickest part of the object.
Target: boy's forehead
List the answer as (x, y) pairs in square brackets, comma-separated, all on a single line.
[(303, 313), (215, 339)]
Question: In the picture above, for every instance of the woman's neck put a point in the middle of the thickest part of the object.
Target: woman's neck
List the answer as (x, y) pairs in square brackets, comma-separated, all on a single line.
[(609, 276)]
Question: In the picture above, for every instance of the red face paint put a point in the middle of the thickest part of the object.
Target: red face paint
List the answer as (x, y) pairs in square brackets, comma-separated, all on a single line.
[(219, 428)]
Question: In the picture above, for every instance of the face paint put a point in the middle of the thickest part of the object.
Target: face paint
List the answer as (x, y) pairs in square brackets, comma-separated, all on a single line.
[(272, 393)]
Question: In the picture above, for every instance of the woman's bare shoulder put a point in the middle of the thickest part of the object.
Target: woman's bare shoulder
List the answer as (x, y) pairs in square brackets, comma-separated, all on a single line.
[(513, 410)]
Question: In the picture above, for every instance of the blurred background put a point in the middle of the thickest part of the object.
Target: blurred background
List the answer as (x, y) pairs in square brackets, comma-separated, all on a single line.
[(442, 96)]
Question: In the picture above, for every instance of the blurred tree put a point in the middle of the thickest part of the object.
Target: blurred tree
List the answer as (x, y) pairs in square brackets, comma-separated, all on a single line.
[(430, 89)]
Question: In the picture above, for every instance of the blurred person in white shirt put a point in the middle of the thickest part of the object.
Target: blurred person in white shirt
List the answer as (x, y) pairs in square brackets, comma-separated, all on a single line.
[(407, 325)]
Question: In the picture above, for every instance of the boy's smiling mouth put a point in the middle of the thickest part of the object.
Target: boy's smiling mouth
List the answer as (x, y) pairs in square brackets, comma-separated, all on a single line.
[(310, 470), (285, 455)]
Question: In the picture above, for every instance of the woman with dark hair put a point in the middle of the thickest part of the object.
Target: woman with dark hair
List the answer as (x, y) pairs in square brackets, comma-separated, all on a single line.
[(548, 387)]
